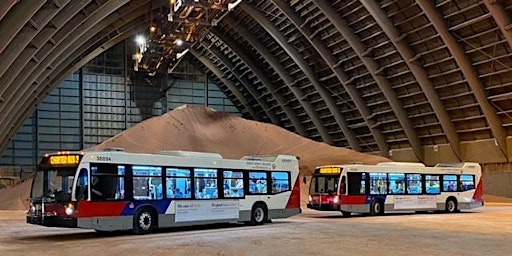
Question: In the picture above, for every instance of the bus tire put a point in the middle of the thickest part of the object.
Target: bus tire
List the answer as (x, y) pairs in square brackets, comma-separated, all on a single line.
[(144, 221), (346, 214), (259, 214), (376, 207), (451, 205)]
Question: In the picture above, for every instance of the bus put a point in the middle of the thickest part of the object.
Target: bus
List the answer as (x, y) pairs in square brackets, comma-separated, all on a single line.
[(115, 190), (323, 189), (402, 187)]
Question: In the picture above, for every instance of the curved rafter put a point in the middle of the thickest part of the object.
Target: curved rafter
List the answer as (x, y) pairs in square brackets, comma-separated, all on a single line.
[(274, 63), (28, 58), (342, 77), (418, 72), (372, 66), (503, 21), (464, 88), (38, 22), (243, 80), (259, 74), (228, 83), (469, 72), (293, 53), (14, 21), (38, 71)]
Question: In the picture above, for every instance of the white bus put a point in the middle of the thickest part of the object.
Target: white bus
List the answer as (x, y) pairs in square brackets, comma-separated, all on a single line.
[(395, 186), (143, 192)]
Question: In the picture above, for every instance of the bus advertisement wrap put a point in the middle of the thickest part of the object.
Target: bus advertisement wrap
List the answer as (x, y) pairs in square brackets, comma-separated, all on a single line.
[(145, 192), (206, 210), (415, 202), (396, 186)]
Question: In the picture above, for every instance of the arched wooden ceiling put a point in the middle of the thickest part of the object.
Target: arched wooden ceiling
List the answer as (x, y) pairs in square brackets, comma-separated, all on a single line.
[(371, 75)]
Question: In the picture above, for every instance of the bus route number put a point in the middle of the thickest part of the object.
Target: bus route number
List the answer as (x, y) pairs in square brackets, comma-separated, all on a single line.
[(104, 158)]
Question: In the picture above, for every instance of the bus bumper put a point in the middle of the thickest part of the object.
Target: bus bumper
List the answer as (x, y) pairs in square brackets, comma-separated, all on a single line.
[(324, 207), (52, 221)]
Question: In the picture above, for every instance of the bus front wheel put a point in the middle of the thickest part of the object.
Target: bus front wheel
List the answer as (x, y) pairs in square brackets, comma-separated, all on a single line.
[(346, 214), (451, 205), (144, 221), (258, 214), (376, 207)]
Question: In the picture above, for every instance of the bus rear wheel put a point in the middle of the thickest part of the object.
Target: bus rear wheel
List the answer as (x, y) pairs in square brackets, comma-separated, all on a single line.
[(451, 205), (376, 207), (258, 214), (144, 221)]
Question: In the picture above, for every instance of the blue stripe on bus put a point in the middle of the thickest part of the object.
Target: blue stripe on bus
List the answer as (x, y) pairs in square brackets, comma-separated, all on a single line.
[(160, 205), (371, 197)]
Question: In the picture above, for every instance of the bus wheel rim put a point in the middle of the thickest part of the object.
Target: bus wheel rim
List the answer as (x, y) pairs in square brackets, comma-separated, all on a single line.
[(145, 221), (451, 206), (258, 214)]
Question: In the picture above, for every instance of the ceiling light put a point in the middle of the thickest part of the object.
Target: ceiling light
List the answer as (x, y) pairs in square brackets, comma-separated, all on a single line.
[(140, 40)]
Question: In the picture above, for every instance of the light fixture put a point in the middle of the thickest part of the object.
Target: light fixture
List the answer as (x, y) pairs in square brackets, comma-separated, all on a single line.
[(140, 40), (179, 42)]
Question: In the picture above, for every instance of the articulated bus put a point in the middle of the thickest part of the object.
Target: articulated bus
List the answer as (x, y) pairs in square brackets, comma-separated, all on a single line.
[(401, 187), (109, 190)]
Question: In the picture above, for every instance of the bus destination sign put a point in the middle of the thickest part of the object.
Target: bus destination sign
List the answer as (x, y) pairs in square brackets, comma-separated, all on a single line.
[(64, 160), (330, 170)]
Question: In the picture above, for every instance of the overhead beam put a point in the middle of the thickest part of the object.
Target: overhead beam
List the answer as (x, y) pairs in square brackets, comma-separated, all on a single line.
[(219, 74), (241, 53), (15, 19), (244, 81), (278, 68), (469, 73), (26, 61), (26, 85), (6, 6), (418, 72), (328, 57), (22, 39), (298, 59), (372, 66), (501, 18)]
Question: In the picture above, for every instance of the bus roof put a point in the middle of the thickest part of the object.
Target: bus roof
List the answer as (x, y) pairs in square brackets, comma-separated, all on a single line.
[(190, 154), (411, 164)]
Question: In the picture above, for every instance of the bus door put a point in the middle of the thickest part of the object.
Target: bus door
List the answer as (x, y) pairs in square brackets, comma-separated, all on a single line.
[(81, 185), (342, 188)]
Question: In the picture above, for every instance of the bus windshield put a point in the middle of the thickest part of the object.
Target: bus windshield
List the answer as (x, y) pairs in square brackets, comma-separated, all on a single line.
[(324, 184), (53, 183)]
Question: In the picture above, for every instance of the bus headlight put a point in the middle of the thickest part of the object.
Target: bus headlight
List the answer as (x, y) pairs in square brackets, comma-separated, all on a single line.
[(310, 198), (70, 209), (336, 200)]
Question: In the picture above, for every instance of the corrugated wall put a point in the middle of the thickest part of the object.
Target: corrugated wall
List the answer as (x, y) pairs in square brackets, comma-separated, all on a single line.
[(97, 102)]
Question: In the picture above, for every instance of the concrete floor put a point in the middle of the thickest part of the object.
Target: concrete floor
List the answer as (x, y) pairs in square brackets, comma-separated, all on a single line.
[(487, 231)]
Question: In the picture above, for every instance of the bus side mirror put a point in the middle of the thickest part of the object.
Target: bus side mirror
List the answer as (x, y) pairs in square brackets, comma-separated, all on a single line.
[(304, 179)]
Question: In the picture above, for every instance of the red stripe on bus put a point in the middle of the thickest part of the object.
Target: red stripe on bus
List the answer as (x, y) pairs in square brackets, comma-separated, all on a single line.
[(294, 200), (97, 209), (352, 199), (479, 192)]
